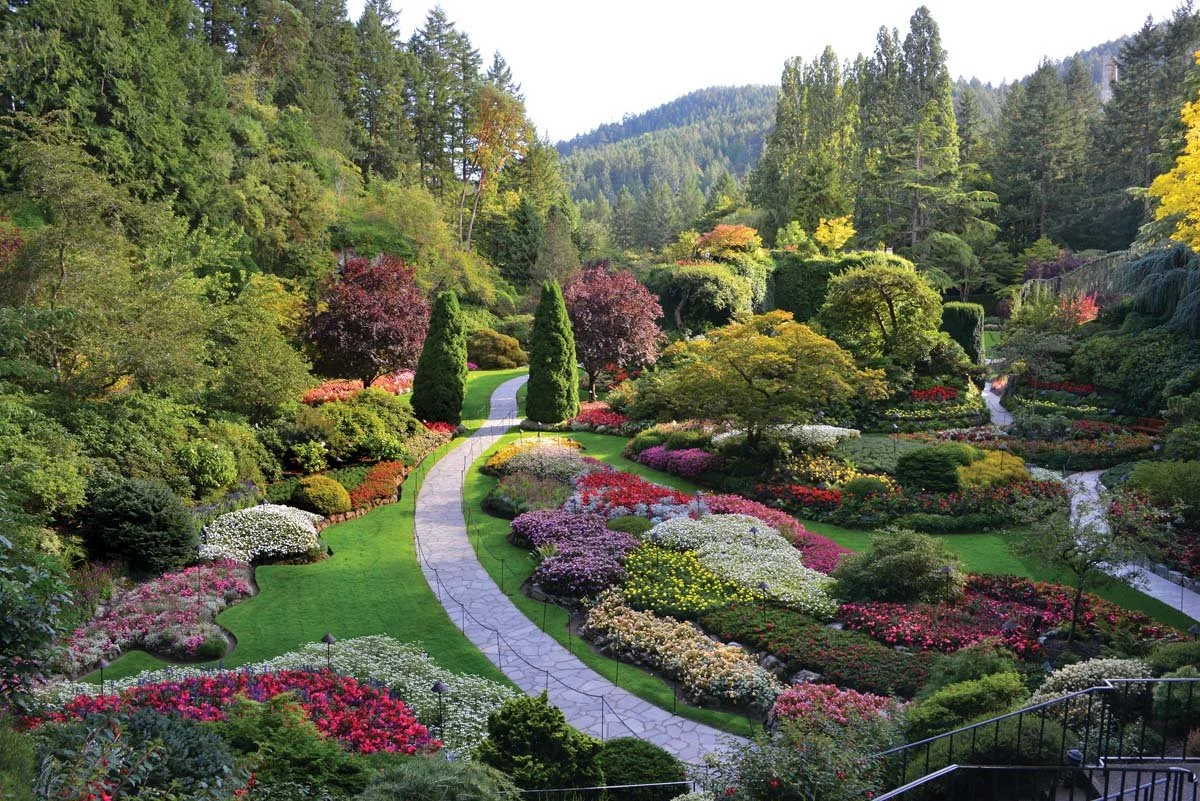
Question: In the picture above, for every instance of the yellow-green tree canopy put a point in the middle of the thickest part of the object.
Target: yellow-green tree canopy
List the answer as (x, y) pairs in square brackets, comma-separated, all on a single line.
[(766, 371), (1178, 191)]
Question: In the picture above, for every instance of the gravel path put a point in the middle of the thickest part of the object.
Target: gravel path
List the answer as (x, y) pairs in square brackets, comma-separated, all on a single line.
[(533, 660)]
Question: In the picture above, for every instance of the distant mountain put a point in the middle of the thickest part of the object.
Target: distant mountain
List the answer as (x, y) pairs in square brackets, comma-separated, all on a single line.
[(702, 134)]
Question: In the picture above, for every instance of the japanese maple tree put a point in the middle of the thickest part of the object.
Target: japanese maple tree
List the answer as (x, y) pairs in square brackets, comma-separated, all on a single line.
[(373, 322), (613, 315)]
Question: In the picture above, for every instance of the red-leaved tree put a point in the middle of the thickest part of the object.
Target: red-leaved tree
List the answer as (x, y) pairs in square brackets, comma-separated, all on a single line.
[(614, 320), (374, 320)]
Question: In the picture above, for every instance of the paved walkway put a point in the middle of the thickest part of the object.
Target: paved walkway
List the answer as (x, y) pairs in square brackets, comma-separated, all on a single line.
[(1000, 416), (534, 661)]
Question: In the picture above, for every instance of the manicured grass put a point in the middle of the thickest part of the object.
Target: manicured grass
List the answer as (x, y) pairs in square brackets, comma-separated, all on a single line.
[(509, 566), (990, 339), (371, 585)]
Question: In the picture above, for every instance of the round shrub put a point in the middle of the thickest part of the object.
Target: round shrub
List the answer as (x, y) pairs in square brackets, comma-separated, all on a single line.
[(995, 469), (1177, 704), (902, 567), (934, 469), (144, 523), (438, 779), (492, 350), (958, 704), (631, 524), (862, 486), (530, 741), (1172, 656), (209, 466), (322, 495), (628, 760)]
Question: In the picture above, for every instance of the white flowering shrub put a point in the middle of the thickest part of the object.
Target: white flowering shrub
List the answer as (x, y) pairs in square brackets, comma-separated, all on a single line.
[(404, 668), (1091, 673), (805, 437), (268, 530), (746, 551), (1044, 474)]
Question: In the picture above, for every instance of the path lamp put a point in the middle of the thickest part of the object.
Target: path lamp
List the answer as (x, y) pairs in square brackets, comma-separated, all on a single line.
[(102, 664), (763, 588), (441, 688), (1195, 631), (895, 439), (329, 640)]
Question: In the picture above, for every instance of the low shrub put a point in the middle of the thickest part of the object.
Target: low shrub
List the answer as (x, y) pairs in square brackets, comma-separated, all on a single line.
[(517, 493), (933, 469), (530, 741), (145, 524), (492, 350), (630, 760), (517, 326), (861, 486), (1012, 741), (995, 469), (1169, 483), (931, 523), (902, 567), (209, 465), (973, 662), (1174, 655), (630, 524), (322, 495), (439, 780), (958, 704), (1177, 704), (261, 532)]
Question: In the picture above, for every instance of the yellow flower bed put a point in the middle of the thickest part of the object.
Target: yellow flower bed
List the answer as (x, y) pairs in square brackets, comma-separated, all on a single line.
[(673, 583), (497, 460)]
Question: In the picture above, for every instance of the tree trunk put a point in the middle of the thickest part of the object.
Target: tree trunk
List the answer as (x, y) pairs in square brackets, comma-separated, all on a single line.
[(1074, 615), (591, 377)]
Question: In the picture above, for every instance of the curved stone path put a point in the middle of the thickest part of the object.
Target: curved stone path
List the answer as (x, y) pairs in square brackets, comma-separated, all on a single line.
[(533, 660)]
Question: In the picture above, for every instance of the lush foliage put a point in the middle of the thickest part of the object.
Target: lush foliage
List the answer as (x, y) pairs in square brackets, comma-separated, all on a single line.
[(260, 532), (631, 760), (436, 779), (902, 566), (492, 350), (441, 377), (531, 742), (144, 523), (321, 494), (957, 704)]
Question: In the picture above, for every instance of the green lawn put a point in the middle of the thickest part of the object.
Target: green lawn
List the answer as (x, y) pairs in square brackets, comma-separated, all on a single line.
[(371, 585), (509, 566), (990, 338)]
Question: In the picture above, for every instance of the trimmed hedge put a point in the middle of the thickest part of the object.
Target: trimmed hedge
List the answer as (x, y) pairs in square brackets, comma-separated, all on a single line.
[(491, 350), (322, 495), (799, 284), (964, 322), (934, 469)]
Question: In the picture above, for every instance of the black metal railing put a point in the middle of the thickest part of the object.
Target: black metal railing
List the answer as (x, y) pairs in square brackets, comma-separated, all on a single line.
[(1059, 783)]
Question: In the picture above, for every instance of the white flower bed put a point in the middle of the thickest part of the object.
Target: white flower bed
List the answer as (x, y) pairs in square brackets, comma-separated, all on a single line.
[(706, 669), (262, 531), (808, 437), (1092, 673), (1044, 474), (404, 668), (746, 551)]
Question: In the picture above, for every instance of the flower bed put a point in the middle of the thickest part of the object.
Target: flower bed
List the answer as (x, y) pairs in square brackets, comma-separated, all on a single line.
[(379, 484), (708, 672), (933, 415), (586, 557), (825, 700), (818, 470), (557, 462), (612, 493), (804, 437), (363, 718), (846, 658), (173, 615), (676, 584), (934, 395), (1063, 386), (597, 416), (745, 551), (1092, 445), (820, 553), (260, 532), (340, 389), (498, 461), (690, 463)]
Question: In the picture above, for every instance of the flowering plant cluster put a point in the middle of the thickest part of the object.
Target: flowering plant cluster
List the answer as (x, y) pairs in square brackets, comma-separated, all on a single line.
[(586, 556), (1063, 386), (341, 389), (807, 701), (820, 553), (438, 427), (363, 718), (379, 483), (556, 462), (818, 470), (673, 583), (260, 532), (934, 395), (687, 462), (745, 551), (173, 614), (597, 416), (1091, 673), (803, 437), (706, 670), (846, 658), (812, 502), (496, 463), (613, 493)]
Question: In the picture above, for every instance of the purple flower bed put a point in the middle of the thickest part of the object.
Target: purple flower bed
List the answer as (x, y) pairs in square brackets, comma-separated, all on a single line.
[(686, 462), (588, 557)]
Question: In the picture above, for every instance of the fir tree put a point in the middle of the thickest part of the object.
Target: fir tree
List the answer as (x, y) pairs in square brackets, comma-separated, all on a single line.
[(553, 372), (441, 378)]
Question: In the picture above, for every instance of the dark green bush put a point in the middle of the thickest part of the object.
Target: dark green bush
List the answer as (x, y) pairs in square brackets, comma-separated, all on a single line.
[(438, 779), (902, 567), (212, 648), (964, 322), (973, 662), (931, 523), (350, 477), (144, 523), (957, 704), (1177, 704), (1172, 656), (1183, 442), (629, 760), (553, 394), (862, 486), (631, 524), (440, 382), (321, 494), (645, 440), (194, 755), (935, 468), (799, 284), (688, 438), (1033, 741), (530, 741), (16, 763), (491, 350)]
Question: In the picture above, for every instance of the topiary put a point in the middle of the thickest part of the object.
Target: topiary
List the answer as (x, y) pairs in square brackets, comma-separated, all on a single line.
[(144, 523), (440, 382), (964, 322), (902, 566), (862, 486), (553, 394), (631, 524), (530, 741), (438, 779), (629, 760), (491, 350), (322, 495), (934, 469)]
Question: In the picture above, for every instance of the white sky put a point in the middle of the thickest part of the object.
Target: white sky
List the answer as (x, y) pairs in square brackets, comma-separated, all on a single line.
[(582, 63)]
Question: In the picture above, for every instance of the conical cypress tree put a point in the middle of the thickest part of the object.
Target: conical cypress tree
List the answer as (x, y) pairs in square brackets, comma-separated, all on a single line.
[(553, 378), (441, 378)]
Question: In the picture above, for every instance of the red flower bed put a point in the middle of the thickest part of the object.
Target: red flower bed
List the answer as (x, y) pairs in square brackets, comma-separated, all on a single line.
[(379, 483), (594, 414), (604, 490), (446, 429), (341, 389), (841, 706), (817, 552), (808, 501), (1063, 386), (934, 395), (363, 718)]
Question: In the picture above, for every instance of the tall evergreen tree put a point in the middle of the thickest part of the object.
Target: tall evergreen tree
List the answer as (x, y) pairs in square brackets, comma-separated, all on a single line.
[(623, 216), (383, 133), (441, 378), (553, 394), (656, 218), (558, 257)]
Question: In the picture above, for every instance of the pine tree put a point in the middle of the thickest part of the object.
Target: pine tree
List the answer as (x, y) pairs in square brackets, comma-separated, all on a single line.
[(558, 257), (441, 378), (553, 394), (381, 131), (621, 224), (655, 220)]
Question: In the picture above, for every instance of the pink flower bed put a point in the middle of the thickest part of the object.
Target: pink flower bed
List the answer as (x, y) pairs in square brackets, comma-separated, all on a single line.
[(690, 463), (363, 718), (597, 414), (806, 701), (817, 552), (173, 615), (340, 389)]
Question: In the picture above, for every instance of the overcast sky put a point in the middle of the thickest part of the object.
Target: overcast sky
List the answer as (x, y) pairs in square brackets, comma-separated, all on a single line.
[(581, 63)]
